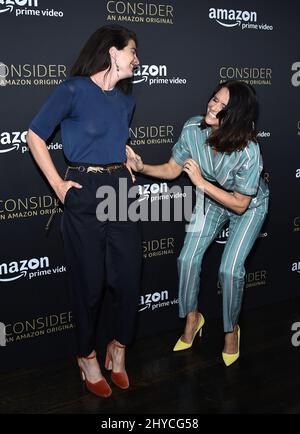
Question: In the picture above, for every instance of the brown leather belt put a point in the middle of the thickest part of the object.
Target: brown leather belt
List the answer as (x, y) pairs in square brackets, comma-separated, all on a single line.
[(106, 168)]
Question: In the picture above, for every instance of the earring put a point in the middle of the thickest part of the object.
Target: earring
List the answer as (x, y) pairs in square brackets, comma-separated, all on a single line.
[(117, 68)]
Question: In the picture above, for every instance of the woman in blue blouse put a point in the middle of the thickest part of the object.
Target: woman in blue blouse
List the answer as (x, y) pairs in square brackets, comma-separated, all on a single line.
[(220, 154), (94, 108)]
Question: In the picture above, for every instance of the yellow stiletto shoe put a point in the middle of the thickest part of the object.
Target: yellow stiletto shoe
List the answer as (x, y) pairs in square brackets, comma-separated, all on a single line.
[(231, 358), (180, 345)]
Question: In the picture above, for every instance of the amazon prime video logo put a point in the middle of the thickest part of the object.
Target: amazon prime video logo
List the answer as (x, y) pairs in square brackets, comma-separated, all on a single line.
[(8, 5), (231, 18), (16, 269), (11, 141), (245, 20), (153, 300), (149, 72)]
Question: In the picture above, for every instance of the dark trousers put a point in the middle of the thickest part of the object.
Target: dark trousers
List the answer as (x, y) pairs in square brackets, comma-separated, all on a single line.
[(100, 254)]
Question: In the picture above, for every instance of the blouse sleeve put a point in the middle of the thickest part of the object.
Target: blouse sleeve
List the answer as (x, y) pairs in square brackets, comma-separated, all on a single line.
[(248, 175), (56, 108), (180, 151), (131, 111)]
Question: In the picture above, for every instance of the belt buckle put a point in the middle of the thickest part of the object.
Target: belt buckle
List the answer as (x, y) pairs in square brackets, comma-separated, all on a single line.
[(94, 169)]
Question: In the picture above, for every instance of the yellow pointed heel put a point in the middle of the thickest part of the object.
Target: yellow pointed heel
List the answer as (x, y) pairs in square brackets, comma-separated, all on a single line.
[(180, 345), (231, 358)]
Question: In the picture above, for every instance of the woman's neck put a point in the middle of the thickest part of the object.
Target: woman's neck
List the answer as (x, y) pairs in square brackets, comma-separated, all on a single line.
[(105, 79)]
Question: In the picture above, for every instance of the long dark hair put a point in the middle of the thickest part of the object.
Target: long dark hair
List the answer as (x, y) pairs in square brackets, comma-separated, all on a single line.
[(237, 120), (94, 56)]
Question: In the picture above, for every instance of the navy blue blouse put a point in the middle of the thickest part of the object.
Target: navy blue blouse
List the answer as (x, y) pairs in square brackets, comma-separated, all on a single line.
[(94, 123)]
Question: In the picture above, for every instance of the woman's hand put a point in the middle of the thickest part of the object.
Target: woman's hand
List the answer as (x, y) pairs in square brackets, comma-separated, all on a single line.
[(134, 161), (130, 171), (193, 170), (62, 188)]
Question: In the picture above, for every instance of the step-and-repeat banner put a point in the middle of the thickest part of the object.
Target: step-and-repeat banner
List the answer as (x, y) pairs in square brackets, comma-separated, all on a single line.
[(185, 49)]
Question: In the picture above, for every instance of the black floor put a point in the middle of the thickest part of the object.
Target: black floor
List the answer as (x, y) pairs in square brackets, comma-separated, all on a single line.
[(266, 378)]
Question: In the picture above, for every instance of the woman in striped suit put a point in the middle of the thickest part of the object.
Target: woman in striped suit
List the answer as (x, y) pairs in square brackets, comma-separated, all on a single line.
[(221, 156)]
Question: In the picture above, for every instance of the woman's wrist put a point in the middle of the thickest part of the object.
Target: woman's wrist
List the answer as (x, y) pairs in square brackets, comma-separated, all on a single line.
[(142, 170), (56, 183), (201, 185)]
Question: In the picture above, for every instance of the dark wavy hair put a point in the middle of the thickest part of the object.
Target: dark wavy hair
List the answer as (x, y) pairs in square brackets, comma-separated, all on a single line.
[(237, 120), (94, 56)]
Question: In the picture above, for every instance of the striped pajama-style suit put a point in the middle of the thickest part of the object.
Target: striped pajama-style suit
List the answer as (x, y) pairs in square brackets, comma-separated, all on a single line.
[(239, 171)]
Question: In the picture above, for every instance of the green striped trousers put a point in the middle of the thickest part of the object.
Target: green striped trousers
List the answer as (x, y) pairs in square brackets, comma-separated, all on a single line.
[(243, 231)]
